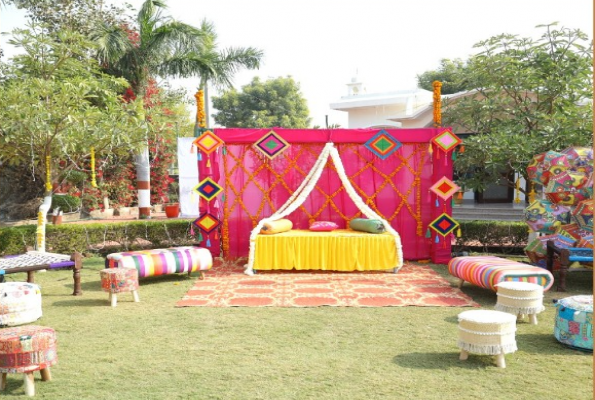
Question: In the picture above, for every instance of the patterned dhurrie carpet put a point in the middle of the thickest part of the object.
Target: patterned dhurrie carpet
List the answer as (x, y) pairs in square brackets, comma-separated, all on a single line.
[(226, 285)]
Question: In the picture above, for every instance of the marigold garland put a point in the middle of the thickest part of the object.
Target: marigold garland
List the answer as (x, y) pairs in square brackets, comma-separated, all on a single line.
[(201, 117), (437, 104)]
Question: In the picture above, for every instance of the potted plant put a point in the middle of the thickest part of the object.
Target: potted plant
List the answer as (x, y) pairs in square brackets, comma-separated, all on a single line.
[(172, 208)]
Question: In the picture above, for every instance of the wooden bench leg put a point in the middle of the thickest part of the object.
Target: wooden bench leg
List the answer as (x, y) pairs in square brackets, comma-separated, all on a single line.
[(500, 362), (31, 276), (46, 374), (135, 296), (113, 299), (533, 319), (460, 284), (29, 384), (76, 273), (464, 355)]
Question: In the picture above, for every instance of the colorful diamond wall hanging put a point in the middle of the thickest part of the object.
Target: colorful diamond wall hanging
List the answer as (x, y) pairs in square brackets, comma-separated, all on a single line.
[(208, 142), (271, 145), (207, 223), (207, 189), (383, 144), (444, 188), (444, 224), (446, 140)]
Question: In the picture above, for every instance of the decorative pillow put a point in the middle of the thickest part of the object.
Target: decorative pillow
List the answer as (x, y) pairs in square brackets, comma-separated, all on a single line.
[(323, 226), (278, 226), (367, 225)]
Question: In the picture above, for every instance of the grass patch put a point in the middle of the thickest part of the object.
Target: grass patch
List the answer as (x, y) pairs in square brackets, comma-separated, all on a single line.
[(152, 350)]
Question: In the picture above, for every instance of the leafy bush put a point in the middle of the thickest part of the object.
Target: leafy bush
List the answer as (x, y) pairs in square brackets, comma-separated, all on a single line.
[(66, 202), (503, 235), (100, 239)]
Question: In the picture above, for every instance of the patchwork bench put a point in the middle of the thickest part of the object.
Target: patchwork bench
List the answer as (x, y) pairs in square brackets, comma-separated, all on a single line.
[(488, 271), (155, 262), (566, 257)]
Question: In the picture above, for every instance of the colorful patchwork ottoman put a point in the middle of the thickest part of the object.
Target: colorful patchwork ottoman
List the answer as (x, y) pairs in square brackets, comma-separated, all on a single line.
[(574, 322), (487, 271), (20, 303), (163, 261), (119, 280), (26, 349)]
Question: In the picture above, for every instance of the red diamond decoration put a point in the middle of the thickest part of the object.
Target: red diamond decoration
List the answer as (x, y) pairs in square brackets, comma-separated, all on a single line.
[(207, 188), (446, 140), (444, 224), (444, 188)]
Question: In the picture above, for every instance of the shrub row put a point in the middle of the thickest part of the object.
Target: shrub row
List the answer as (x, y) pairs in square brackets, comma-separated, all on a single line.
[(98, 238), (101, 239), (504, 236)]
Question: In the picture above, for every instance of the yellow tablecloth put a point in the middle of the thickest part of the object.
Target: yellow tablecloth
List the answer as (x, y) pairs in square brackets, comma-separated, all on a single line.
[(339, 250)]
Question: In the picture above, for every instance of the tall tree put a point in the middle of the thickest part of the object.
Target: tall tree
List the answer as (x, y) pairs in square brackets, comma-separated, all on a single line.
[(451, 74), (528, 96), (58, 106), (214, 66), (274, 103), (153, 47)]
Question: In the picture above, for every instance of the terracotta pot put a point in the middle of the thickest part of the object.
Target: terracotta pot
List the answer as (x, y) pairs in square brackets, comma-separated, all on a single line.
[(172, 210)]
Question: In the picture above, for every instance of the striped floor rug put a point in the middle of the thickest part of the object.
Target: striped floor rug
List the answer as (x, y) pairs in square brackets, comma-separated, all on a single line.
[(226, 285)]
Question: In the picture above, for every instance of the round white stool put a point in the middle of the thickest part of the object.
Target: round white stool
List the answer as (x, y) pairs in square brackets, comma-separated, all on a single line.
[(487, 332), (520, 298)]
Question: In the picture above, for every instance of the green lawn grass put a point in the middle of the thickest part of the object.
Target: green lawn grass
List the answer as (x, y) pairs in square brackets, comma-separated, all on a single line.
[(152, 350)]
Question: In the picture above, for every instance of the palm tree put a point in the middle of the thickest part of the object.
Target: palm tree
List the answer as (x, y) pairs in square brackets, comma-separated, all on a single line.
[(214, 66), (141, 55)]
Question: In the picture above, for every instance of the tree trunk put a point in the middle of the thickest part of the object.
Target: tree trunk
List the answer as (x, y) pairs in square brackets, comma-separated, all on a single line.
[(42, 221), (143, 179)]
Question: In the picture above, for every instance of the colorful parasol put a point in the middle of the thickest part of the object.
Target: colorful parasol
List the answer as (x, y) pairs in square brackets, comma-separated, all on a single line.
[(536, 250), (534, 167), (583, 215), (581, 158), (545, 216)]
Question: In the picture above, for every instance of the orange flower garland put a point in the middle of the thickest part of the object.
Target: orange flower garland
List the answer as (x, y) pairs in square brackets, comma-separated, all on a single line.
[(437, 104), (201, 117)]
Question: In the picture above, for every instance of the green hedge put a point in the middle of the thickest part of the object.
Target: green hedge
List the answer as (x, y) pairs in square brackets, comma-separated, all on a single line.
[(99, 238), (105, 238), (504, 235)]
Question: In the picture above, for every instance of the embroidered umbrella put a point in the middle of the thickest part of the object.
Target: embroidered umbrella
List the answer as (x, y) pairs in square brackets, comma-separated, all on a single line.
[(545, 216), (583, 215), (581, 158), (534, 167), (567, 188)]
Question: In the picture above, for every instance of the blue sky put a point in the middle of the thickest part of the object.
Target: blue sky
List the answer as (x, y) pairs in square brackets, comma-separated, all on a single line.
[(322, 43)]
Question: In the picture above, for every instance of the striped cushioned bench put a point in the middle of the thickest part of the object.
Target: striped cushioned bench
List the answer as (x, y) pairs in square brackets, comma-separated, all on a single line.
[(154, 262), (487, 271)]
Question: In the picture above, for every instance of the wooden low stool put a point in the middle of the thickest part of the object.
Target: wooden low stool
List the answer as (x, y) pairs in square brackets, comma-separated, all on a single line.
[(118, 280), (520, 299), (26, 349), (487, 332)]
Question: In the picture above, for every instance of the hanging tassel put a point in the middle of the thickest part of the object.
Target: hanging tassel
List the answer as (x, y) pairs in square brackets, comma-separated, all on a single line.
[(444, 208), (209, 162), (192, 149), (462, 149), (192, 229), (459, 233), (452, 202), (437, 240), (460, 195), (430, 150), (217, 205), (208, 242), (437, 204), (216, 235), (444, 243), (428, 233), (445, 159), (454, 155), (224, 150), (200, 238), (223, 197)]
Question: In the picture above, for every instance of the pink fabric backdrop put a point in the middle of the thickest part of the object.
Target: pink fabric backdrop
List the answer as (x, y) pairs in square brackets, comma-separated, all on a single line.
[(404, 199)]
